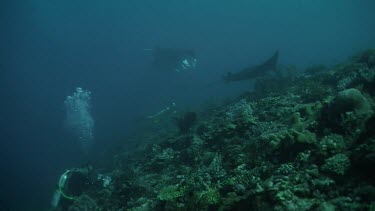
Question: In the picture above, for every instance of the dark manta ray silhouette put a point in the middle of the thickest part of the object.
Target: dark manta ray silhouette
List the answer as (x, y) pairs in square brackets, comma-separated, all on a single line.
[(254, 71)]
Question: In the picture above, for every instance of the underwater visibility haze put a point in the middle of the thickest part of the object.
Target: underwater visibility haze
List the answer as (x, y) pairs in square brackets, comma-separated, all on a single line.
[(187, 105)]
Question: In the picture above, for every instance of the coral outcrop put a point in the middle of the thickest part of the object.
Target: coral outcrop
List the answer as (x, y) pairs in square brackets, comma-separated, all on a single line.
[(301, 141)]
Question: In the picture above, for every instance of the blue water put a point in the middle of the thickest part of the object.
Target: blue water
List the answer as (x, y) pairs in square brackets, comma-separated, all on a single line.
[(48, 48)]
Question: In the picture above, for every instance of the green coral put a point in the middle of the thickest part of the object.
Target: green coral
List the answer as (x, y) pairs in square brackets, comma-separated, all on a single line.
[(348, 112), (290, 201), (285, 169), (298, 130), (332, 144), (209, 196), (337, 164), (171, 192)]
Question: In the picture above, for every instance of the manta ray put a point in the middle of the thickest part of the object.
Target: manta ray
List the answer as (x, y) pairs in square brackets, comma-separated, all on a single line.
[(253, 71)]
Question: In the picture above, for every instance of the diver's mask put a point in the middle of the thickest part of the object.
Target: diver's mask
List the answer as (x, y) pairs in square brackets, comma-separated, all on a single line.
[(74, 182)]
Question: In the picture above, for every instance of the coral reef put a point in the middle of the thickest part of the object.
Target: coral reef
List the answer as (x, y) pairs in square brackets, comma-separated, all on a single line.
[(298, 142)]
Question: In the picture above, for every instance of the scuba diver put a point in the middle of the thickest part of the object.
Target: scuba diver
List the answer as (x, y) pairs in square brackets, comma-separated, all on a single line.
[(173, 60), (74, 182)]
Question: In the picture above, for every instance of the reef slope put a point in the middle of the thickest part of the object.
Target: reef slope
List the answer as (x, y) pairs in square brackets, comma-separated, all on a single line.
[(300, 141)]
